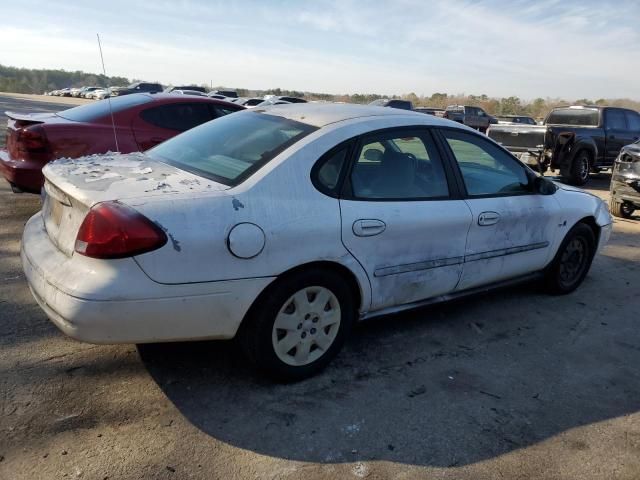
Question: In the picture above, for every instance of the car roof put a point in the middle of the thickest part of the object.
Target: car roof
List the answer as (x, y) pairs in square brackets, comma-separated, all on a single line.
[(321, 114)]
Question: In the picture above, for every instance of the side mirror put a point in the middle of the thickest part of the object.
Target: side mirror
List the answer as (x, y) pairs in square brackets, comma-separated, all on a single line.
[(544, 186)]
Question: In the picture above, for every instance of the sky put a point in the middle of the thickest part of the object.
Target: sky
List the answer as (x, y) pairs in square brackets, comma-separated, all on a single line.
[(546, 48)]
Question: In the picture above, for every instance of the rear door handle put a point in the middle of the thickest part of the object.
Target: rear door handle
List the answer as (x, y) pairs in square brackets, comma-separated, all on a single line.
[(368, 227), (488, 218)]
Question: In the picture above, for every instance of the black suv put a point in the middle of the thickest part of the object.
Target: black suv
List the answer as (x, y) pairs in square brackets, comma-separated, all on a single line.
[(139, 87), (393, 103)]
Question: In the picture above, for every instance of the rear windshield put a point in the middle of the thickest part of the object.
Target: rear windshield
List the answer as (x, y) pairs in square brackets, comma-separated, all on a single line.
[(587, 117), (231, 148), (100, 109)]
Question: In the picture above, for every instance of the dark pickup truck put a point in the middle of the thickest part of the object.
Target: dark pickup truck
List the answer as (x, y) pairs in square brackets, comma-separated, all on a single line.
[(575, 140)]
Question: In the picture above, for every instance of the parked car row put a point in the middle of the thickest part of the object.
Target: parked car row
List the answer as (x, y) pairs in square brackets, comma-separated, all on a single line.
[(474, 117), (99, 93), (281, 225)]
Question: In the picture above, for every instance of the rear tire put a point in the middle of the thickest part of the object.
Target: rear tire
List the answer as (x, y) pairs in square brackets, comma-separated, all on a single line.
[(299, 324), (572, 261), (578, 173), (621, 209)]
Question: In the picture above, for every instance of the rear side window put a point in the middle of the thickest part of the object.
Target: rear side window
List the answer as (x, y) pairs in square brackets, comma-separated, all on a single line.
[(327, 173), (633, 121), (398, 166), (177, 116), (233, 147), (587, 117), (222, 111), (615, 120), (98, 110)]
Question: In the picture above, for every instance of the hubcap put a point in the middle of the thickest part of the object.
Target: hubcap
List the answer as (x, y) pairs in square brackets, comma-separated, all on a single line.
[(306, 326), (573, 261), (584, 167)]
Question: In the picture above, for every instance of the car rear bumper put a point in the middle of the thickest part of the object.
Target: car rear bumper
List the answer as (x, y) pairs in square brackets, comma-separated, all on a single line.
[(27, 175), (113, 301)]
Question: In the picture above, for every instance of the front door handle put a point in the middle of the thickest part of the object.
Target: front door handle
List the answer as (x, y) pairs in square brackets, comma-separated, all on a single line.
[(368, 227), (488, 218)]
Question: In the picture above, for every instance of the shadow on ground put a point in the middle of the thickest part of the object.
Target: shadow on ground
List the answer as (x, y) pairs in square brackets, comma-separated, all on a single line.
[(448, 385), (597, 181)]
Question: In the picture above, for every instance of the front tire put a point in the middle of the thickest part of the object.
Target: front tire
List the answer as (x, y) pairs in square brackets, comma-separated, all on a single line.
[(299, 324), (621, 209), (572, 261)]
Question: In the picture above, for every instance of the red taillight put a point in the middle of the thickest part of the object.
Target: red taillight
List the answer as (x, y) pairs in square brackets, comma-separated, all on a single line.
[(113, 230), (33, 139)]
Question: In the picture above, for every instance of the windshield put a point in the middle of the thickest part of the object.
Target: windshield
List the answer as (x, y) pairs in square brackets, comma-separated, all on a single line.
[(230, 149), (94, 111), (586, 117)]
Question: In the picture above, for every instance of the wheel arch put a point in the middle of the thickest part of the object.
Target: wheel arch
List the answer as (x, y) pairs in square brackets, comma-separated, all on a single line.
[(361, 295), (591, 222), (587, 145)]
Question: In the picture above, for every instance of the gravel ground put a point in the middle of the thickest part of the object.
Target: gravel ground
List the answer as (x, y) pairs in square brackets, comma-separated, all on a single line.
[(512, 384)]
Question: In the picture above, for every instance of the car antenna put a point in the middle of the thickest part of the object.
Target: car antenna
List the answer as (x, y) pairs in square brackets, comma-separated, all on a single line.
[(104, 71)]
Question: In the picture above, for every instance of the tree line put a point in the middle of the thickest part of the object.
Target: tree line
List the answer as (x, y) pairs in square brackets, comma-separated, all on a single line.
[(26, 80)]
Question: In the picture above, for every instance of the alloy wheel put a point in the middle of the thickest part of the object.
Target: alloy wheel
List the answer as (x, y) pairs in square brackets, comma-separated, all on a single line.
[(584, 167)]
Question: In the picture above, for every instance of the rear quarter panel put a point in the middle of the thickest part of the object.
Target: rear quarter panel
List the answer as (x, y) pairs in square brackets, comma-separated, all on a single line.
[(75, 139)]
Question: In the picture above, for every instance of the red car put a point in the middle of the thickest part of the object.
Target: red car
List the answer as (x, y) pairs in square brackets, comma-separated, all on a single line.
[(141, 120)]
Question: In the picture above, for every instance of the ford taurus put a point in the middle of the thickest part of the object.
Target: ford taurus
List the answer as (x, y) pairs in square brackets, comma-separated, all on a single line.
[(284, 225)]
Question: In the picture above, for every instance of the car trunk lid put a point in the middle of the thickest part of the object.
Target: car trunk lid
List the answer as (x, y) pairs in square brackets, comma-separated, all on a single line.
[(26, 138), (73, 186)]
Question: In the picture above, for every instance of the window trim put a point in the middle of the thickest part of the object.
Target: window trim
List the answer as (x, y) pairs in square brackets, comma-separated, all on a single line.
[(530, 174)]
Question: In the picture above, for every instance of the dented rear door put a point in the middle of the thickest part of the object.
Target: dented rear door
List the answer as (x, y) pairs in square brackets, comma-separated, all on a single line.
[(400, 222)]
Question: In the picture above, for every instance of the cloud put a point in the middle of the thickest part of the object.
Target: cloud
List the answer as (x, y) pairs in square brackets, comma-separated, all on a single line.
[(545, 48)]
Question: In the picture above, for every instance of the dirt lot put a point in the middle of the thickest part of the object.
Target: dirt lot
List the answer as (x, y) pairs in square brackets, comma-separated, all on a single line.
[(513, 384)]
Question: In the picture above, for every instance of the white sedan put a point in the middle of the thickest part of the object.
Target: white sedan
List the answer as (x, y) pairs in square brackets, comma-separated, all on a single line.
[(285, 225)]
